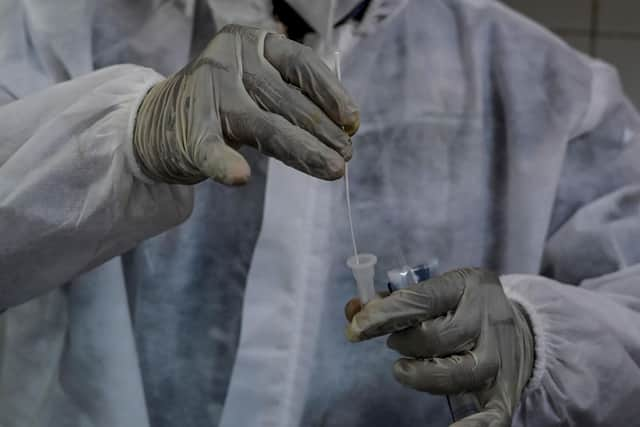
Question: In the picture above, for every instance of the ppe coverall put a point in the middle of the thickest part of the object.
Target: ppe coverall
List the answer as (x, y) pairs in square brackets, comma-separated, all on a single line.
[(484, 141)]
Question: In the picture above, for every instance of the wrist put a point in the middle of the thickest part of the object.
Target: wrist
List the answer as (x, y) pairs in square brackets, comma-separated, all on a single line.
[(527, 343), (156, 144)]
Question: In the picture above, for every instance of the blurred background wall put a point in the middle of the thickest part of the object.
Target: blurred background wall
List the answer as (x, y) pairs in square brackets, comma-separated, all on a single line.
[(607, 29)]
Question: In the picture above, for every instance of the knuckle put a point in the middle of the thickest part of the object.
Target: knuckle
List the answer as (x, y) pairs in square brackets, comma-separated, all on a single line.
[(303, 55)]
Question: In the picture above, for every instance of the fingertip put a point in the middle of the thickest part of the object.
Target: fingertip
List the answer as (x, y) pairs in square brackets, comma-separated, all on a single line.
[(403, 369), (235, 173), (351, 308), (336, 167), (357, 328), (352, 333), (223, 164), (328, 165), (347, 151), (340, 142), (234, 180), (333, 168), (351, 121)]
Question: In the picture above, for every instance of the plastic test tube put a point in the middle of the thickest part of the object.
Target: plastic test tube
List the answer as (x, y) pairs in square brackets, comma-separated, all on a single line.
[(363, 267)]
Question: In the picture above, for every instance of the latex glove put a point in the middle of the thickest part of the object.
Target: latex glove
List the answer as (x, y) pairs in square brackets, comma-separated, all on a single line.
[(459, 333), (247, 87)]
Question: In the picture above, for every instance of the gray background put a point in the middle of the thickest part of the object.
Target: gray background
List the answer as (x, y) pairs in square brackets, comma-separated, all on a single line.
[(607, 29)]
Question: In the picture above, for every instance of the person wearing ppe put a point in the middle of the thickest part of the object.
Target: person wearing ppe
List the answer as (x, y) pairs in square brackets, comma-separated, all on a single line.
[(484, 140), (89, 168), (246, 88)]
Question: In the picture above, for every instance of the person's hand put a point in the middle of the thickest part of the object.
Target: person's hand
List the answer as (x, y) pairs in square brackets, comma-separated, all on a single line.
[(459, 333), (248, 87)]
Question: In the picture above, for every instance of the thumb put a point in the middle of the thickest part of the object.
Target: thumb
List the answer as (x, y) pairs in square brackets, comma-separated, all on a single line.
[(354, 305), (218, 161)]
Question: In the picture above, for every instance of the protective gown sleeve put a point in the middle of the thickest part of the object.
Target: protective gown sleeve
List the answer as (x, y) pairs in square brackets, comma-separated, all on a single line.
[(585, 308), (71, 193)]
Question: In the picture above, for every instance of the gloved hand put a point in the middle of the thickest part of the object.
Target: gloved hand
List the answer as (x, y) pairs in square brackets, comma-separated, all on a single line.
[(247, 87), (459, 333)]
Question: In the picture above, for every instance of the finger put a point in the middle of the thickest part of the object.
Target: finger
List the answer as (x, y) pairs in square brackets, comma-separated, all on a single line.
[(274, 136), (487, 418), (439, 337), (223, 164), (300, 66), (449, 375), (353, 306), (276, 96), (407, 307)]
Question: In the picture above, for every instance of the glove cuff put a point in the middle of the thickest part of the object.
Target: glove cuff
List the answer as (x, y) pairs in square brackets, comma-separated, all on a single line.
[(132, 157), (536, 324), (528, 340), (156, 138)]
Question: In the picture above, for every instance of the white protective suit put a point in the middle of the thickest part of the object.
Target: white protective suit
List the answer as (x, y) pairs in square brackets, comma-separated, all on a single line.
[(484, 141)]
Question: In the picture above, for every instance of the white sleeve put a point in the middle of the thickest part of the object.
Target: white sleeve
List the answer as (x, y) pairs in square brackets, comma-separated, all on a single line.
[(586, 312), (587, 350), (71, 193)]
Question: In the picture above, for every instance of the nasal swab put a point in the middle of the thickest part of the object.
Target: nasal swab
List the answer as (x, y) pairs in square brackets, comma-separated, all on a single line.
[(362, 265), (346, 175)]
